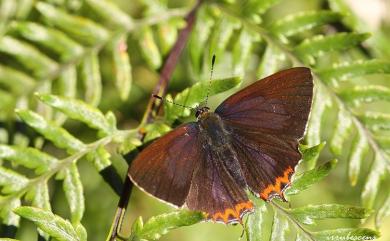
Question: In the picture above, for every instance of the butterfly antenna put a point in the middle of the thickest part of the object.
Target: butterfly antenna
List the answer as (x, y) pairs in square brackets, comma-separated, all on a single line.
[(169, 101), (211, 77)]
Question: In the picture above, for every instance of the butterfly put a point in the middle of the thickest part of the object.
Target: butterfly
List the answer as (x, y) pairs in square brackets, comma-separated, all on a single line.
[(249, 143)]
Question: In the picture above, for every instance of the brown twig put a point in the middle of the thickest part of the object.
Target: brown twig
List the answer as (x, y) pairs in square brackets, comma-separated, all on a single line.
[(159, 89), (170, 64)]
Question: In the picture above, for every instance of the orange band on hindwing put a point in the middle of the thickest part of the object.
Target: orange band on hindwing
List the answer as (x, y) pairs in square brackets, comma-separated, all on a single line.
[(277, 186), (230, 215)]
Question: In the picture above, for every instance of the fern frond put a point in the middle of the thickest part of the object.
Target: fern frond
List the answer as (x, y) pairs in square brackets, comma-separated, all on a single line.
[(314, 47), (192, 96), (61, 47), (54, 225), (303, 21)]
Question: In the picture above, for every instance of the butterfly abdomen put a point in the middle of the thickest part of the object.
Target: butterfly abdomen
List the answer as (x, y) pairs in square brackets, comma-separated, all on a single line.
[(217, 141)]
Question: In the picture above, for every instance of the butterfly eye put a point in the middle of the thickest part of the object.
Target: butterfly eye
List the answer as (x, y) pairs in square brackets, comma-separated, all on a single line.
[(200, 111)]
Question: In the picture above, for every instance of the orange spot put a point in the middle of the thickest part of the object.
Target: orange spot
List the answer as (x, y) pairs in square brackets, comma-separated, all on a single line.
[(236, 212), (278, 184)]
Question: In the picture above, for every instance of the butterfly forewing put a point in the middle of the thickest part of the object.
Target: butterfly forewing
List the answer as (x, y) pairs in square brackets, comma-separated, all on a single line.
[(279, 104), (164, 169)]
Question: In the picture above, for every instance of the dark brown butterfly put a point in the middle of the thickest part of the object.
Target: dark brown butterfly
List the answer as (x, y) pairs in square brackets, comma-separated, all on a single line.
[(249, 142)]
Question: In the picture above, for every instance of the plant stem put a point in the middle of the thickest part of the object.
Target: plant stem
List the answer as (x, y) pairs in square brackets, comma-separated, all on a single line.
[(170, 64), (292, 219), (160, 89)]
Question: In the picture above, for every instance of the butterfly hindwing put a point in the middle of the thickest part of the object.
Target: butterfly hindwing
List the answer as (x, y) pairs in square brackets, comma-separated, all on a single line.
[(267, 161), (216, 190), (164, 168)]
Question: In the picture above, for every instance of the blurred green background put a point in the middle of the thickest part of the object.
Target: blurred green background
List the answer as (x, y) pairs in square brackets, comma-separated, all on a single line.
[(100, 199)]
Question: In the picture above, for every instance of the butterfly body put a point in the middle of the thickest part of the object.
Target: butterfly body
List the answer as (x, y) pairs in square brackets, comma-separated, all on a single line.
[(250, 143), (213, 130)]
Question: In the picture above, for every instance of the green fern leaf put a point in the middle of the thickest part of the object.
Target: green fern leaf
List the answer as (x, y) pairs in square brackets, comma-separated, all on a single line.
[(195, 94), (383, 212), (377, 172), (39, 196), (253, 9), (308, 178), (15, 81), (81, 232), (311, 154), (347, 71), (82, 29), (321, 103), (384, 141), (375, 121), (365, 94), (280, 228), (258, 224), (78, 110), (359, 150), (7, 104), (155, 130), (27, 157), (242, 50), (100, 158), (200, 34), (318, 45), (53, 225), (11, 181), (270, 62), (74, 193), (91, 78), (122, 66), (342, 131), (112, 13), (303, 21), (149, 48), (157, 226), (67, 82), (39, 64), (308, 214), (59, 136), (55, 40), (223, 31), (7, 215)]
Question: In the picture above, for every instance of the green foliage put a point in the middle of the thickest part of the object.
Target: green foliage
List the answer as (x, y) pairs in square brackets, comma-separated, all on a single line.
[(301, 22), (192, 96), (53, 225), (310, 177), (159, 225), (78, 55)]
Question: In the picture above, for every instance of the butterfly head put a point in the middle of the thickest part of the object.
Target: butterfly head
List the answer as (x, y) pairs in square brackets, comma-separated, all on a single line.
[(201, 111)]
